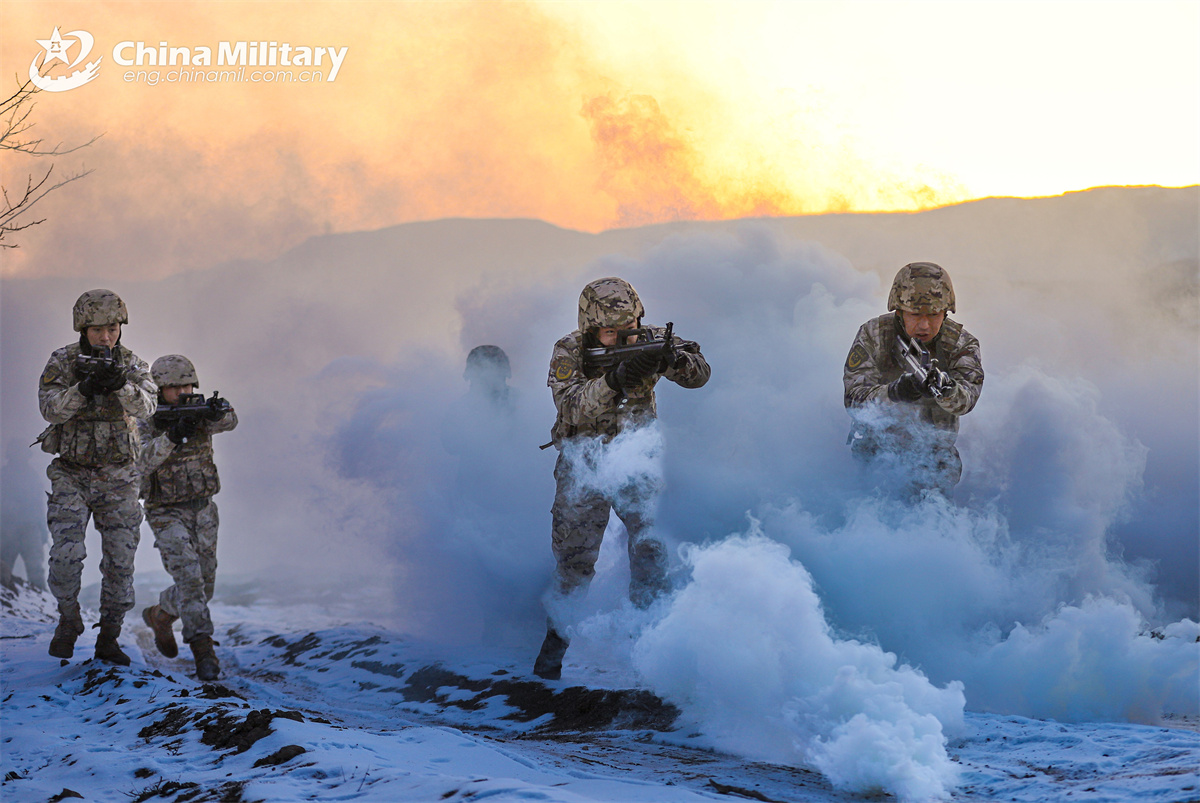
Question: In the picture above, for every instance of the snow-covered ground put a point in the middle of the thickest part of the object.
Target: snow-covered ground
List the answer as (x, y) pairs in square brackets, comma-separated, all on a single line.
[(312, 706)]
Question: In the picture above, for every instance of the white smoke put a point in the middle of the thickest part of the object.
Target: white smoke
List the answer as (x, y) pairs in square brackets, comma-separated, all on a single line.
[(746, 651), (1025, 588)]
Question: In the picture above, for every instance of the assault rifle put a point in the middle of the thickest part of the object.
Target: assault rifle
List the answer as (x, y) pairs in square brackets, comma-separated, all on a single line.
[(99, 372), (193, 407), (609, 356), (924, 367), (86, 364)]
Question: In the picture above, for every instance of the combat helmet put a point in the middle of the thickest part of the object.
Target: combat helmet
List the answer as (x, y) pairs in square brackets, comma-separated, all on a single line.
[(174, 369), (487, 361), (608, 303), (922, 287), (98, 308)]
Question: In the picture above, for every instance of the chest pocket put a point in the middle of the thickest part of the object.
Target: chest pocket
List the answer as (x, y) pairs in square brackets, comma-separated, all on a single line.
[(187, 475), (99, 434)]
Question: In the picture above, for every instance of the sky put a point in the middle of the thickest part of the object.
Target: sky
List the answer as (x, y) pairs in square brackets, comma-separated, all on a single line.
[(586, 115)]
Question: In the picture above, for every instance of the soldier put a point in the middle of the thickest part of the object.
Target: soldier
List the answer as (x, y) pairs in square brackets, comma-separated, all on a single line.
[(179, 480), (595, 404), (488, 373), (91, 393), (903, 419)]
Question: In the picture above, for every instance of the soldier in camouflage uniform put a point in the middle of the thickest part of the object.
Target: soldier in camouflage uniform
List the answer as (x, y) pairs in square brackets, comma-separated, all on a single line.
[(179, 480), (899, 420), (596, 404), (92, 409)]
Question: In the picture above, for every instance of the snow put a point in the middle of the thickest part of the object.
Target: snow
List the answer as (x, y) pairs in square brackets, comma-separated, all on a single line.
[(353, 711)]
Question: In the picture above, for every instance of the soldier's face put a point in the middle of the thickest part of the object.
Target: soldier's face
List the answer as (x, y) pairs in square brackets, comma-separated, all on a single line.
[(107, 335), (607, 335), (923, 327), (171, 393)]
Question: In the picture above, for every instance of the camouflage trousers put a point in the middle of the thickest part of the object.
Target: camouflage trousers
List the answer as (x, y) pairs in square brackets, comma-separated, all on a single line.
[(579, 516), (186, 538), (109, 494), (909, 469)]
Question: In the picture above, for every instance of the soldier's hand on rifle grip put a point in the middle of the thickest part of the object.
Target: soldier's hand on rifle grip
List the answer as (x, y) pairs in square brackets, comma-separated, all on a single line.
[(88, 386), (110, 379), (628, 373), (181, 430), (939, 383), (668, 360), (906, 389), (217, 408), (638, 368), (612, 378)]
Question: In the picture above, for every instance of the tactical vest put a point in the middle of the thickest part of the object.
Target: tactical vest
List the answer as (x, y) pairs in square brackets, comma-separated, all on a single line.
[(639, 407), (188, 475), (100, 433), (891, 365)]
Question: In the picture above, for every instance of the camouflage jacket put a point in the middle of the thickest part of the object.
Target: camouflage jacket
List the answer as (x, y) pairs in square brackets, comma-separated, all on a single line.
[(99, 430), (874, 362), (173, 474), (588, 406)]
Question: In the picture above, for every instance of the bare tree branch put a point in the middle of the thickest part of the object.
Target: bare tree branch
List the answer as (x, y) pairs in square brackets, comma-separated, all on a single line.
[(15, 127)]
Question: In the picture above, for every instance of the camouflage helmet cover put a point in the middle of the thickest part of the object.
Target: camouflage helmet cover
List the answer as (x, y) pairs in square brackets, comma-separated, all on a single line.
[(487, 360), (174, 369), (608, 303), (98, 308), (922, 287)]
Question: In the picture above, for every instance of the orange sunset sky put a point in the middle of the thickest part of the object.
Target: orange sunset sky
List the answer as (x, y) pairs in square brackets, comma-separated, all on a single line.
[(587, 115)]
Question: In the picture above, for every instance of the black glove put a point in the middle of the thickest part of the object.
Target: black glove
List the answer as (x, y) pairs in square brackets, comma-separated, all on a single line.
[(939, 381), (632, 371), (906, 389), (181, 430), (105, 379), (217, 409), (668, 360), (109, 379), (88, 386)]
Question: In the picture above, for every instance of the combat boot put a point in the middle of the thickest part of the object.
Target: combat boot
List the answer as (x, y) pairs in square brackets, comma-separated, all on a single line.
[(107, 649), (207, 666), (160, 622), (70, 627), (549, 661)]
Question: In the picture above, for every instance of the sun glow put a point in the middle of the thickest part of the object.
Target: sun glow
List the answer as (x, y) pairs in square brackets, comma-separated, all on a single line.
[(593, 115)]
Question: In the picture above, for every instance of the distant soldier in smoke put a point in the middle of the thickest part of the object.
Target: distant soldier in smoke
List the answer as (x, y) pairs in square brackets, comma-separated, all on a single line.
[(479, 428), (596, 402), (179, 480), (22, 523), (909, 376), (92, 392), (488, 373)]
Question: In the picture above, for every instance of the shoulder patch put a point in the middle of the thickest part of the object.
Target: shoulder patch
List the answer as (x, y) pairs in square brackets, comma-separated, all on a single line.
[(563, 368), (858, 356)]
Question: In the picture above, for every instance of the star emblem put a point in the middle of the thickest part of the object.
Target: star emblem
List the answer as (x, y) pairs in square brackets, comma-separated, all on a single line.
[(56, 47)]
